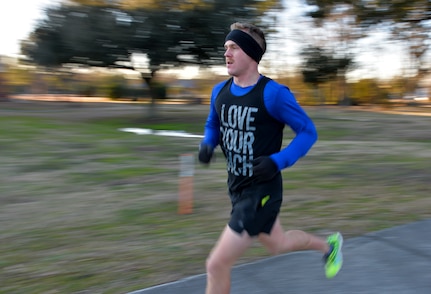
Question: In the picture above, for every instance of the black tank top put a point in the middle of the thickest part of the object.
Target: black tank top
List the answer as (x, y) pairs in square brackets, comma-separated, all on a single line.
[(247, 131)]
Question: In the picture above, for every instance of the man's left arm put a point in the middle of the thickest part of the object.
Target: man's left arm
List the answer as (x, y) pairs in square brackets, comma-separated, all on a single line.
[(286, 109)]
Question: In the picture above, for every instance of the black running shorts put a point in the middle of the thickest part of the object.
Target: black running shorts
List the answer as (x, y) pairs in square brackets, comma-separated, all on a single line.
[(256, 207)]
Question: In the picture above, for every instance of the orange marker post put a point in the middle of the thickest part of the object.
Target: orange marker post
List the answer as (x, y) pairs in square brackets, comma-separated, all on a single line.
[(185, 195)]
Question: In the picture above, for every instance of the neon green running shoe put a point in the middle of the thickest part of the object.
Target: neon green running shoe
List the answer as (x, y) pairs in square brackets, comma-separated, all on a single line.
[(334, 258)]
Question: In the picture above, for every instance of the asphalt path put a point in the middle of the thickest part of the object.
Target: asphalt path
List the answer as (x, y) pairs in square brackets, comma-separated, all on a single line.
[(396, 261)]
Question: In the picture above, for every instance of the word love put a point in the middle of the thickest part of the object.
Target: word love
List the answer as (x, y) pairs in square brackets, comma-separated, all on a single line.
[(237, 131)]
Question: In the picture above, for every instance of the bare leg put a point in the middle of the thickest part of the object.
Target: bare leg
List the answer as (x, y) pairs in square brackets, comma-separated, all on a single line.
[(228, 249), (280, 241)]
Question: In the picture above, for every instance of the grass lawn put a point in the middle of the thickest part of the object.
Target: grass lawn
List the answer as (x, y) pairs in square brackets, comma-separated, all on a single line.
[(86, 208)]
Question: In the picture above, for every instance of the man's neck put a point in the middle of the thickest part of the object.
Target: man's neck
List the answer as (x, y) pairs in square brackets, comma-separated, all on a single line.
[(247, 80)]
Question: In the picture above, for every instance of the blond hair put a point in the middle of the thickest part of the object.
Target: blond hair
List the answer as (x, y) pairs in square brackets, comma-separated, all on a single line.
[(253, 31)]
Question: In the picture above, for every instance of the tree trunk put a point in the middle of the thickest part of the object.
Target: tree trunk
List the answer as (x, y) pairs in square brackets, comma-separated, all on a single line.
[(152, 109), (318, 94)]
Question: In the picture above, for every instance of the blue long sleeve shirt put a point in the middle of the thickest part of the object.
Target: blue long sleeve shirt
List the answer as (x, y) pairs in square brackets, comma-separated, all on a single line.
[(282, 105)]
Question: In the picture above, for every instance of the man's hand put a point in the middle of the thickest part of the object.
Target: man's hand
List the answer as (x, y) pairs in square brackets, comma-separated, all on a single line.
[(264, 168), (205, 153)]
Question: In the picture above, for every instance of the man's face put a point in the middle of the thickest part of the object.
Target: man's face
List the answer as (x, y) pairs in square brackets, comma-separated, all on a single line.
[(237, 61)]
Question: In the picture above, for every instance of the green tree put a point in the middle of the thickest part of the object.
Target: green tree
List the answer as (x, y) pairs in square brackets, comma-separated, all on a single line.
[(321, 66), (141, 35), (408, 21)]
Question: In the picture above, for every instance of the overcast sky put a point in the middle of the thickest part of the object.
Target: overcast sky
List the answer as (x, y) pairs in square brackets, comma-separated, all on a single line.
[(18, 17)]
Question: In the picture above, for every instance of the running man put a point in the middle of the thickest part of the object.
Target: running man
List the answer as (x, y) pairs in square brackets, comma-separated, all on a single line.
[(247, 116)]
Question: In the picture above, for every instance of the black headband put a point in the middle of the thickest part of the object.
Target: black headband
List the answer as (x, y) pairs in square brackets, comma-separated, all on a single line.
[(247, 44)]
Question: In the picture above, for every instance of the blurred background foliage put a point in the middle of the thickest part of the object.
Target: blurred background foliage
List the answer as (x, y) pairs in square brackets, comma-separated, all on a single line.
[(125, 48)]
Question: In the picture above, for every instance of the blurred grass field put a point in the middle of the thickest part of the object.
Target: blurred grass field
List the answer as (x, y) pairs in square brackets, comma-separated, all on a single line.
[(86, 208)]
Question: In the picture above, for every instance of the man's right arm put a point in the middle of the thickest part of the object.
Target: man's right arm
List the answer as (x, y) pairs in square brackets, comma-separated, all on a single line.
[(212, 129)]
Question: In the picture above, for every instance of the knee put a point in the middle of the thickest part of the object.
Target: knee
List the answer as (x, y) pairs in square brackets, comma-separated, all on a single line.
[(275, 248), (215, 267), (282, 243)]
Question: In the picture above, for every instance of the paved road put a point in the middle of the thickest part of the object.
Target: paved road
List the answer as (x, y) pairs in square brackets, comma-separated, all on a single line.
[(393, 261)]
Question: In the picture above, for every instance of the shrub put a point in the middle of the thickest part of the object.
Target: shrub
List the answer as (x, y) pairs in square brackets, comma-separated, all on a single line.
[(158, 90)]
